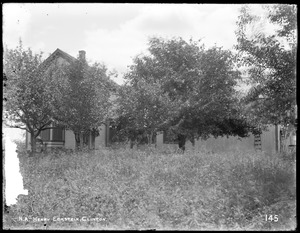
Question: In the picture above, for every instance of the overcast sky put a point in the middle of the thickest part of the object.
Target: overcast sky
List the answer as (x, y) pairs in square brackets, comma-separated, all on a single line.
[(115, 33)]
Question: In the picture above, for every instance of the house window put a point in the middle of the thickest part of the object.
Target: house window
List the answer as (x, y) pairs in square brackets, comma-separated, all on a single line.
[(169, 137), (58, 134), (45, 135)]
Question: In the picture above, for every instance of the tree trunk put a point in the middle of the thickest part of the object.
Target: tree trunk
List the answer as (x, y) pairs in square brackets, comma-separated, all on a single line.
[(81, 140), (33, 143), (181, 142), (131, 143), (149, 138), (77, 140), (193, 141)]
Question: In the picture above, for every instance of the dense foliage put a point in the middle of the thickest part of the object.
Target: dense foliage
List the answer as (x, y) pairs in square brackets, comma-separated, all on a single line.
[(28, 100), (82, 97), (271, 61), (36, 94), (184, 88)]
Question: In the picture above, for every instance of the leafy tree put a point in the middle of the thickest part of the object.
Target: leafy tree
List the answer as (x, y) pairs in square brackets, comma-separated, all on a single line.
[(142, 109), (83, 97), (271, 61), (197, 86), (27, 95)]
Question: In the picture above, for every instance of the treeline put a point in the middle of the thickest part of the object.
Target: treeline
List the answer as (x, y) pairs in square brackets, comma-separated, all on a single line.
[(179, 87)]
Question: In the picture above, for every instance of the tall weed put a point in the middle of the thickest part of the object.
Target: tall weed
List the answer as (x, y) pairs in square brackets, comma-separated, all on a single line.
[(135, 189)]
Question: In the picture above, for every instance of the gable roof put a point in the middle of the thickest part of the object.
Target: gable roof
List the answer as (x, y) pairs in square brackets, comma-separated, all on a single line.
[(54, 55), (70, 59)]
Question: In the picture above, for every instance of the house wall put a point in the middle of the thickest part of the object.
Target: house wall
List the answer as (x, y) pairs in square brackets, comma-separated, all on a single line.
[(224, 144), (288, 139), (49, 144), (69, 139), (60, 61), (70, 142), (219, 144), (268, 140), (100, 141)]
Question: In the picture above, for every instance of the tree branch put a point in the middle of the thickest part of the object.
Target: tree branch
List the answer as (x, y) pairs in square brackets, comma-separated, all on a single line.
[(42, 128), (17, 127), (49, 128), (21, 117), (48, 123)]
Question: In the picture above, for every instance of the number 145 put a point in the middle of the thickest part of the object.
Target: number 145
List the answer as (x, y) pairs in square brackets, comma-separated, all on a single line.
[(271, 218)]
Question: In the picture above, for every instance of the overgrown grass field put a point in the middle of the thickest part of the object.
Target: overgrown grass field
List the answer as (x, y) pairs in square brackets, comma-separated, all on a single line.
[(131, 189)]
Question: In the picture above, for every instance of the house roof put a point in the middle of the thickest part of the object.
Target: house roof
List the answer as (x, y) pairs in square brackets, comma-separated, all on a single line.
[(70, 59), (54, 55)]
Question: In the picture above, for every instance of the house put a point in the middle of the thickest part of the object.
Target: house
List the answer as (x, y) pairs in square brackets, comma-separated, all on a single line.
[(270, 141), (58, 136), (275, 139)]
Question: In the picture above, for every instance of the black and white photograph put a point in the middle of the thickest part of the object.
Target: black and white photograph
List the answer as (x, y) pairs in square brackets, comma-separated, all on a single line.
[(149, 116)]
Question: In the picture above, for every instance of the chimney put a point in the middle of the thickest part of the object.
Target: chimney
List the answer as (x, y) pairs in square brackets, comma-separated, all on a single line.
[(82, 55)]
